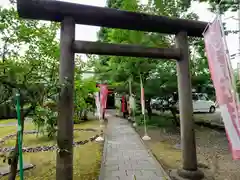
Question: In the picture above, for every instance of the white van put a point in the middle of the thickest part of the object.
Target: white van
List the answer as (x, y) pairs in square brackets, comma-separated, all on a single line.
[(201, 103)]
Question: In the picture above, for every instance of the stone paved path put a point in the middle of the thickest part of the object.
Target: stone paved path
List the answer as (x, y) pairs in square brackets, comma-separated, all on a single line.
[(125, 155)]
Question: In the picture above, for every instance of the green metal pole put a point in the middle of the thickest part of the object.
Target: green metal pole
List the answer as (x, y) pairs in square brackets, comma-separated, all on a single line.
[(19, 137)]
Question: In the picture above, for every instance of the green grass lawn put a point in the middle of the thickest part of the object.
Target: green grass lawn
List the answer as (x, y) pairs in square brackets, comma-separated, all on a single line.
[(4, 131), (6, 121), (87, 158)]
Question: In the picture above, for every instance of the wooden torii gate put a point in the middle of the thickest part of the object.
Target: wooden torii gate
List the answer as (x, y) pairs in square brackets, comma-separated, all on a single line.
[(70, 14)]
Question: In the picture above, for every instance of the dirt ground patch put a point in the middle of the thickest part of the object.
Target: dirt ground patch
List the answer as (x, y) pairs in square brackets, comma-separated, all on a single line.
[(214, 157)]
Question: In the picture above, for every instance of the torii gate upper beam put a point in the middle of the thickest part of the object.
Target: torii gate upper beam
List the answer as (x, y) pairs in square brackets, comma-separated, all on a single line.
[(107, 17)]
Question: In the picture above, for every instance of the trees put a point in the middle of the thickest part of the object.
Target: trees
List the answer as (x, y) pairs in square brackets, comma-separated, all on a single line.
[(225, 5), (32, 72), (123, 68), (33, 90), (84, 97), (29, 66), (159, 76)]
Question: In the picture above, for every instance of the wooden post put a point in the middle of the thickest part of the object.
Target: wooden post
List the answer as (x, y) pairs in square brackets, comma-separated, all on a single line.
[(88, 47), (188, 145), (64, 167)]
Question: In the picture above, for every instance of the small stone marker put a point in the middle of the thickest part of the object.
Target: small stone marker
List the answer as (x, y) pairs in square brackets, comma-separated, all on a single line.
[(134, 124), (6, 170), (146, 137)]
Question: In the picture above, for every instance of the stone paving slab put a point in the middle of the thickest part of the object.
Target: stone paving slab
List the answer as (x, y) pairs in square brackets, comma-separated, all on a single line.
[(126, 156)]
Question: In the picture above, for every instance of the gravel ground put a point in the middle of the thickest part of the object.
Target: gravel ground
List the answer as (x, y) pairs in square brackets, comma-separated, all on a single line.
[(214, 156)]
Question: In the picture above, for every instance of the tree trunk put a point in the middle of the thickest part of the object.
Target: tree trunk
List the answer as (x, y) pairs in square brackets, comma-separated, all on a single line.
[(4, 55), (80, 114), (103, 115), (85, 118), (175, 119), (14, 162), (14, 158), (149, 109)]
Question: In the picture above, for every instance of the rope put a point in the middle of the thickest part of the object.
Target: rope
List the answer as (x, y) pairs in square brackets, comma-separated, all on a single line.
[(232, 17)]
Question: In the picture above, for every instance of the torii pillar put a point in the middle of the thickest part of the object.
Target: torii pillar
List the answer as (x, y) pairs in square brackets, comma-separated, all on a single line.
[(188, 145)]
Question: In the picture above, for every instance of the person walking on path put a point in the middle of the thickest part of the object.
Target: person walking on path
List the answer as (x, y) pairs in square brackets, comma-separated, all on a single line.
[(124, 106)]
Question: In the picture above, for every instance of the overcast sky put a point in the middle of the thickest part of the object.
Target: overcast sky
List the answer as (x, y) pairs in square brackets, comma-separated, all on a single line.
[(90, 32)]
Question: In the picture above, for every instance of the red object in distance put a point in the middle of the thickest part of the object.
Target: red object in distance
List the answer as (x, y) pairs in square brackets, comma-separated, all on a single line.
[(123, 104)]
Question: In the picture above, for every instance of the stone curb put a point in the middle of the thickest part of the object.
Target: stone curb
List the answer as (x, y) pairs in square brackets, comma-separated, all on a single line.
[(104, 154)]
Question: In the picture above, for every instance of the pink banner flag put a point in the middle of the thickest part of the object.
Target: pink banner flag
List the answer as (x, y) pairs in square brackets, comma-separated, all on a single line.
[(103, 97), (142, 95), (221, 76)]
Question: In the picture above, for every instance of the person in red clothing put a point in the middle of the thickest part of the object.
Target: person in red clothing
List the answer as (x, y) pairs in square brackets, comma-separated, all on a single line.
[(124, 106)]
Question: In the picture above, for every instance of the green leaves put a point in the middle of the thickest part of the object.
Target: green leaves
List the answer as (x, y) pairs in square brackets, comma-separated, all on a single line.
[(225, 5), (28, 62), (84, 89), (45, 120), (160, 77)]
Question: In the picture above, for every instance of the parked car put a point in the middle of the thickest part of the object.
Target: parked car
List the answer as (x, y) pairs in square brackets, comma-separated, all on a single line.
[(159, 103), (155, 102), (201, 103)]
